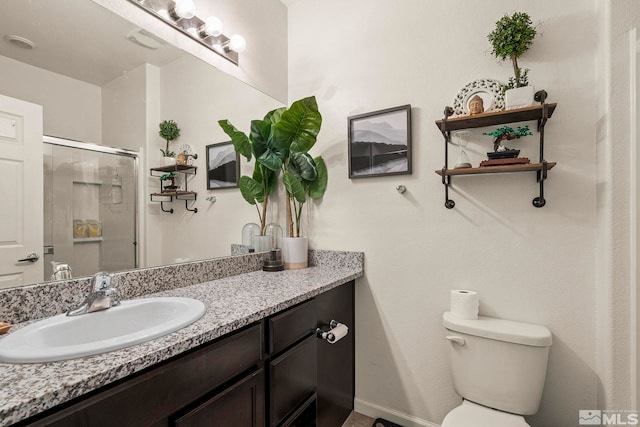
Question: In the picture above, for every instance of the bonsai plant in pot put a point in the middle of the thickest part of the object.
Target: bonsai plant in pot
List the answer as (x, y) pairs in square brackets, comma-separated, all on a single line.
[(511, 38), (506, 133), (280, 143), (259, 144), (169, 131)]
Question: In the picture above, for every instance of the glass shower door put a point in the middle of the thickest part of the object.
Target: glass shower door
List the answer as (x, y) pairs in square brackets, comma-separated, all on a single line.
[(89, 208)]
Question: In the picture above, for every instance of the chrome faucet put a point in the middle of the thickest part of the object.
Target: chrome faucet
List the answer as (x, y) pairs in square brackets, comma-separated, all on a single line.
[(101, 296)]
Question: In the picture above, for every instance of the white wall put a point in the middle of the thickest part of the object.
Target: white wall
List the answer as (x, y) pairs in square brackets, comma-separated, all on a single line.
[(616, 357), (71, 107), (532, 265)]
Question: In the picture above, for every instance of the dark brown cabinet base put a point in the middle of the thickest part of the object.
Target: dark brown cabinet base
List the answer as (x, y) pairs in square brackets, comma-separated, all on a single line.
[(236, 381)]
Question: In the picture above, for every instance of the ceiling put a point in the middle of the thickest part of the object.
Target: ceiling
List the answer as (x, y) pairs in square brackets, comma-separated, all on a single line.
[(289, 2), (76, 38)]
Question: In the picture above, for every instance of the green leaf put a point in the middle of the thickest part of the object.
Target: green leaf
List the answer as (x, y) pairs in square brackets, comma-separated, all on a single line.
[(294, 187), (302, 166), (239, 139), (299, 126), (274, 116), (260, 134), (319, 185), (251, 190), (271, 160)]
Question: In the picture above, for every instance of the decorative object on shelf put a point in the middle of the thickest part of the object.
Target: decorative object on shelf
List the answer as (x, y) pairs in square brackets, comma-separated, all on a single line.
[(261, 243), (280, 143), (511, 38), (168, 183), (274, 263), (248, 231), (462, 139), (189, 155), (94, 228), (506, 133), (540, 113), (275, 232), (80, 229), (223, 166), (181, 15), (169, 131), (380, 143), (507, 161), (489, 90), (476, 105)]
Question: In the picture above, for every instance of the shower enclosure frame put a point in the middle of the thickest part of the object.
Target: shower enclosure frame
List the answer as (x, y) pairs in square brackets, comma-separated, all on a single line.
[(53, 140)]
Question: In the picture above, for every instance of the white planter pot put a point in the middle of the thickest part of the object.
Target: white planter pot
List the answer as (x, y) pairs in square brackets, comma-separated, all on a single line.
[(519, 97), (262, 243), (167, 161), (295, 252)]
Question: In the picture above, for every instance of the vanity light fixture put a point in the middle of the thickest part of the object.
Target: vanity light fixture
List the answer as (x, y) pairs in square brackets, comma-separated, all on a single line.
[(181, 14)]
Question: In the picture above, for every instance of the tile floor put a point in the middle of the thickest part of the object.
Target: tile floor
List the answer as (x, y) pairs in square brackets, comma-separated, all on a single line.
[(358, 420)]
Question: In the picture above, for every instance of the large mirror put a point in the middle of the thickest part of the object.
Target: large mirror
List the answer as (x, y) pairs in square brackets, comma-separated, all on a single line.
[(102, 80)]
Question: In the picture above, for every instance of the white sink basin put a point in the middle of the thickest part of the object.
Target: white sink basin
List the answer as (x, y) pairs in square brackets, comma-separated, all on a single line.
[(68, 337)]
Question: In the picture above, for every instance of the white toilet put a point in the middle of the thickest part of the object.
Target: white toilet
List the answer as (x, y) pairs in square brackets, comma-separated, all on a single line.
[(498, 368)]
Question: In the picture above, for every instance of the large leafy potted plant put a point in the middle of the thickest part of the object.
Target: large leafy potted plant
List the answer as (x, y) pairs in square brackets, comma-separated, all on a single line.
[(511, 38), (304, 177), (259, 144), (280, 143)]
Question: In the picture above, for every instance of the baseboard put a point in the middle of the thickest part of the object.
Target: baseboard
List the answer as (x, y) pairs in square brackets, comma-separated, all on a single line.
[(376, 411)]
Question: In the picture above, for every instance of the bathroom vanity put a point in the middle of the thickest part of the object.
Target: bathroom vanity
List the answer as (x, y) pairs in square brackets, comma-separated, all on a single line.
[(253, 358)]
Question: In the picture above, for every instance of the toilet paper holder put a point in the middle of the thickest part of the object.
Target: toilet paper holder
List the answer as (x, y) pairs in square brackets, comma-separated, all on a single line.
[(335, 334)]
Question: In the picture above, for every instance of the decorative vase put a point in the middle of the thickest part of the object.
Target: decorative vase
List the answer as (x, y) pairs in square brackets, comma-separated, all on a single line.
[(519, 97), (168, 161), (262, 243), (295, 252)]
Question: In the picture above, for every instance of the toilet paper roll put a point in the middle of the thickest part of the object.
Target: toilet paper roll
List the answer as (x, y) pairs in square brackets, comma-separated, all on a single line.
[(464, 304), (337, 333)]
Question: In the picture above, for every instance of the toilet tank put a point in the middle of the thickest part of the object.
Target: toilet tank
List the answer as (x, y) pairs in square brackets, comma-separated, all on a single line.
[(498, 363)]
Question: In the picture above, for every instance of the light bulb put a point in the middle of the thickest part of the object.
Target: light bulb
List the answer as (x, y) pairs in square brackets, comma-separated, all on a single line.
[(237, 43), (211, 27), (185, 9)]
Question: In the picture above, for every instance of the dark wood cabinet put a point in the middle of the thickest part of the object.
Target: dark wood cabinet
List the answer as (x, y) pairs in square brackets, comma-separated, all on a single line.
[(240, 405), (274, 373)]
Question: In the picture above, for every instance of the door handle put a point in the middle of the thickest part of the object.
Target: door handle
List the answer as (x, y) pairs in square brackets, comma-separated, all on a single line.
[(32, 257)]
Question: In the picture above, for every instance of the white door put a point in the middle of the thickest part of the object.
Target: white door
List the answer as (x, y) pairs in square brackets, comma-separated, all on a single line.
[(21, 203)]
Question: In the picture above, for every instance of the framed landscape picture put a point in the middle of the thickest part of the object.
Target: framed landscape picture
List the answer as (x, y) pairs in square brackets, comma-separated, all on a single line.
[(223, 166), (380, 143)]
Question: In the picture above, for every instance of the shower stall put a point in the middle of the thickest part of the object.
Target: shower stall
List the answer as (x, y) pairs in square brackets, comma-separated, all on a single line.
[(90, 207)]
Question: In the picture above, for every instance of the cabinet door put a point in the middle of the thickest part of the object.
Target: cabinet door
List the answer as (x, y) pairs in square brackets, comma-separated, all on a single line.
[(336, 363), (292, 379), (241, 405)]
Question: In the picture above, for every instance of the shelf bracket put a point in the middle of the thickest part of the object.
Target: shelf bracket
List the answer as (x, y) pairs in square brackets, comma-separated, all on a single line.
[(186, 205), (165, 210), (539, 201)]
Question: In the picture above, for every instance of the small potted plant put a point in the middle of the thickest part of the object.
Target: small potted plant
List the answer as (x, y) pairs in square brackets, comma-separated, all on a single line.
[(506, 133), (169, 131), (511, 38)]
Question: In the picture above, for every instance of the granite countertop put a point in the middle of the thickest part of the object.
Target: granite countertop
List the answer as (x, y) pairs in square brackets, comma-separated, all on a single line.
[(232, 302)]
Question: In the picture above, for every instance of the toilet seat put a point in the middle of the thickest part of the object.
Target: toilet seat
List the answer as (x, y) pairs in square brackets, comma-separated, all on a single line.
[(471, 414)]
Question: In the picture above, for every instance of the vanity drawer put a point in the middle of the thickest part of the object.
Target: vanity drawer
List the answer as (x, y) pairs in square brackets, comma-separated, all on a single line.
[(240, 405), (290, 326), (292, 379)]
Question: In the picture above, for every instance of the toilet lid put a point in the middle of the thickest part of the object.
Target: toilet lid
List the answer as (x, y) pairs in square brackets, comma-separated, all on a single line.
[(471, 414)]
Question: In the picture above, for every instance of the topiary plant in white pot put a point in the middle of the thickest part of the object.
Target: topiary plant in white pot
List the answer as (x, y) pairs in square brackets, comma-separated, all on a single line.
[(511, 38)]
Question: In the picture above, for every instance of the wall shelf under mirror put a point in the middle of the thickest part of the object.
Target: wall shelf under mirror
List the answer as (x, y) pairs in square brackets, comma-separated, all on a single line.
[(169, 195)]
